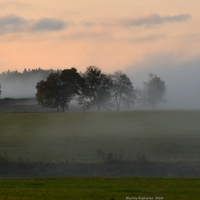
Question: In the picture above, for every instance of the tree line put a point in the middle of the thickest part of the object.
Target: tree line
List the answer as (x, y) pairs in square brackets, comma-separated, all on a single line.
[(17, 84), (26, 74), (95, 89)]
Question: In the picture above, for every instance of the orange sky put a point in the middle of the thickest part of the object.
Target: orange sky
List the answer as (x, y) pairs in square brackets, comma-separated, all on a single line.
[(111, 34)]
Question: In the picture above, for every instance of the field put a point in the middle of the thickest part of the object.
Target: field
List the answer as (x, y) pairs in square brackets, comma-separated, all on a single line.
[(100, 189), (104, 144), (90, 136)]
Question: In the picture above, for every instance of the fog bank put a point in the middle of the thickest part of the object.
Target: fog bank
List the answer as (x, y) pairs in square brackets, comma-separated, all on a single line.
[(182, 79)]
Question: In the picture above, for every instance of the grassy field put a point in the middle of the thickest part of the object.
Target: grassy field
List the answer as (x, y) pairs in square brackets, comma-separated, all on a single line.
[(168, 136), (100, 189), (78, 136)]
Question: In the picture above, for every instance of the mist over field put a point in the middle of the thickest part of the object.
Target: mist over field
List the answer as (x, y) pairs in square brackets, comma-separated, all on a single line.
[(114, 141), (125, 144)]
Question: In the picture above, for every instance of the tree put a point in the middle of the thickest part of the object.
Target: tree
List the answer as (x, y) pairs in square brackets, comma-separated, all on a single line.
[(72, 84), (48, 92), (59, 89), (97, 89), (0, 89), (122, 90), (153, 91)]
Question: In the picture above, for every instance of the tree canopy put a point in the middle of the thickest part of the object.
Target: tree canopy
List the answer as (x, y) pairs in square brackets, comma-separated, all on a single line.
[(122, 90), (59, 89), (153, 91), (97, 89)]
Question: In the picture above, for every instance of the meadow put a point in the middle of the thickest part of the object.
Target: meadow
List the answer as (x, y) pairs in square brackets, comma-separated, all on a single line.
[(91, 136), (100, 189), (104, 144)]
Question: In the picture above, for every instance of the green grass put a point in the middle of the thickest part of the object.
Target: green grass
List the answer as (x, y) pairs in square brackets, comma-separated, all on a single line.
[(99, 189), (76, 136)]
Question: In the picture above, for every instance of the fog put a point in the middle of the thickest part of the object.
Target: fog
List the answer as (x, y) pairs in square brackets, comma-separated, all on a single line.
[(19, 89), (62, 139), (181, 79), (101, 144), (13, 86)]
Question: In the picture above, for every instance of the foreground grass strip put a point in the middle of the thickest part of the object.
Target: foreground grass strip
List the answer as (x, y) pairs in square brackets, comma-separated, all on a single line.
[(99, 188)]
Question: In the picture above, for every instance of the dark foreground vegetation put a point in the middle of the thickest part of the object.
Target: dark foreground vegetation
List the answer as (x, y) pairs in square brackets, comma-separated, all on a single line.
[(108, 168)]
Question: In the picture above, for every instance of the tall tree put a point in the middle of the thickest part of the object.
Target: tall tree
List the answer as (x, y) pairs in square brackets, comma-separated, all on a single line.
[(72, 84), (48, 92), (59, 89), (153, 91), (97, 90), (123, 90)]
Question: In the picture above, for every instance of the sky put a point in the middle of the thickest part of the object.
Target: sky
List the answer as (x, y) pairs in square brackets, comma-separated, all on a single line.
[(138, 37)]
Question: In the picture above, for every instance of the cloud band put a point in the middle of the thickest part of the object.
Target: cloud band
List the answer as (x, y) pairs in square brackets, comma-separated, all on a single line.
[(155, 19)]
